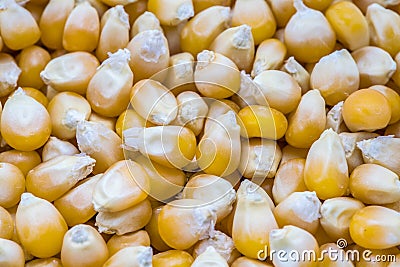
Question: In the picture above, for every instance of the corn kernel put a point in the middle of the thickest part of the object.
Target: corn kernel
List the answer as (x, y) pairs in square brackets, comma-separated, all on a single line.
[(171, 258), (83, 246), (56, 147), (114, 33), (336, 214), (198, 34), (289, 152), (210, 257), (349, 23), (393, 98), (334, 118), (218, 108), (278, 90), (173, 33), (40, 235), (76, 205), (298, 72), (138, 256), (336, 76), (70, 72), (152, 229), (253, 220), (270, 55), (12, 185), (47, 262), (171, 12), (66, 109), (215, 75), (237, 44), (52, 22), (327, 173), (99, 142), (375, 227), (180, 74), (337, 259), (194, 221), (35, 94), (308, 34), (364, 4), (82, 28), (11, 254), (51, 179), (6, 224), (200, 5), (283, 11), (10, 73), (108, 122), (318, 4), (375, 65), (149, 54), (308, 121), (366, 110), (146, 21), (24, 160), (129, 119), (119, 242), (17, 25)]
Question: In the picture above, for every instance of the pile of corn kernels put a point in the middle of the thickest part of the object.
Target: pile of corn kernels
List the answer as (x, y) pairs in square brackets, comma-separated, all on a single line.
[(177, 133)]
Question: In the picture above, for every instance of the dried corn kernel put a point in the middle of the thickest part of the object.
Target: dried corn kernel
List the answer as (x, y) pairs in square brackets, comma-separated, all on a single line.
[(56, 147), (10, 73), (138, 256), (289, 152), (298, 72), (393, 98), (35, 94), (173, 258), (171, 12), (6, 224), (119, 242), (180, 73), (338, 259), (210, 257), (47, 262), (12, 185), (11, 254), (109, 122), (32, 60), (200, 5), (24, 160), (318, 4), (146, 21), (283, 11), (152, 229), (270, 55), (129, 119)]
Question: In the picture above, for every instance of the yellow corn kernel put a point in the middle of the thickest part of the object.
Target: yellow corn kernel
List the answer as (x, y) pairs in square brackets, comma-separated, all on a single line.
[(70, 72), (327, 173), (210, 257), (200, 5), (215, 75), (258, 15), (76, 205), (180, 74), (11, 254), (384, 28), (318, 4), (336, 214), (9, 74), (192, 111), (247, 94), (40, 235), (381, 151), (83, 246), (218, 151), (289, 152), (12, 184), (17, 25), (164, 182), (278, 90), (270, 55), (56, 147), (375, 65), (291, 238), (36, 9), (198, 34), (108, 90), (119, 242), (47, 262), (308, 35), (218, 108), (114, 32), (216, 192), (124, 221), (24, 160), (108, 122), (6, 224), (160, 107), (149, 54), (135, 9), (82, 28), (289, 179), (221, 242), (247, 262), (171, 12), (171, 258), (189, 216), (336, 76), (253, 220), (129, 119), (366, 110), (152, 229), (35, 94), (298, 72), (99, 142), (364, 4), (374, 184), (259, 159), (350, 25), (393, 98), (123, 185), (237, 44), (338, 258), (299, 209), (170, 146), (66, 109), (283, 11), (146, 21), (308, 121), (52, 22), (25, 123), (32, 60), (353, 153), (55, 177), (138, 256), (375, 227)]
